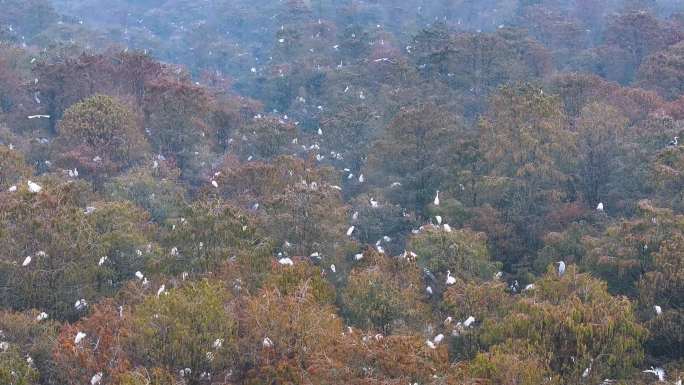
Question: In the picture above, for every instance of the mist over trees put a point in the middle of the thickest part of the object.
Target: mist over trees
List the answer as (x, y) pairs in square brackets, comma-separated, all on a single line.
[(341, 192)]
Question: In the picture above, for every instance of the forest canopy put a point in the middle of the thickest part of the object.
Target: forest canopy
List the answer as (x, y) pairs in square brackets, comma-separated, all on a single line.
[(341, 192)]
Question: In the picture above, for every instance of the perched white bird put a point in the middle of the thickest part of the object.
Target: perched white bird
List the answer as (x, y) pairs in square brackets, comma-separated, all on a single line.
[(12, 188), (96, 378), (102, 261), (439, 219), (218, 343), (450, 280), (658, 372), (333, 268), (430, 344), (361, 178), (658, 309), (469, 321), (447, 228), (267, 343), (373, 203), (355, 216), (428, 290), (448, 321), (320, 131), (27, 260), (438, 338), (42, 316), (81, 304), (358, 256), (139, 275), (161, 290), (286, 261), (436, 202), (599, 207), (79, 337), (214, 183), (529, 287), (350, 230), (34, 187), (561, 268)]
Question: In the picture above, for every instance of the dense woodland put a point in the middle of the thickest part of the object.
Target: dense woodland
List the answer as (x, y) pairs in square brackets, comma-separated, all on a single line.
[(341, 192)]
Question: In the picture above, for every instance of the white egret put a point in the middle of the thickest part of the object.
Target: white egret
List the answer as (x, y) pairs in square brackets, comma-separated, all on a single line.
[(658, 372), (267, 343), (448, 321), (161, 290), (361, 178), (658, 309), (333, 268), (79, 337), (218, 343), (469, 321), (561, 268), (12, 188), (599, 207), (33, 187), (358, 257), (436, 202), (373, 203), (286, 261), (438, 338), (674, 142), (139, 275), (430, 344), (96, 378), (447, 228), (450, 280), (42, 316), (439, 219), (81, 304), (428, 290), (27, 260), (214, 183), (350, 230), (529, 287), (102, 261), (355, 216)]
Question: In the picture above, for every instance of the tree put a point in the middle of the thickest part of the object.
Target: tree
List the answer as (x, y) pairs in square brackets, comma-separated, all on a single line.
[(662, 72), (600, 132), (416, 150), (663, 286), (13, 168), (75, 253), (179, 330), (463, 252), (568, 323), (384, 294), (105, 127)]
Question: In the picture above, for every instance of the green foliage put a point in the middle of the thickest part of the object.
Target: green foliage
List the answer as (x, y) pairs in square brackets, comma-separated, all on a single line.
[(105, 126), (13, 168), (178, 330), (66, 245), (463, 252), (571, 322)]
